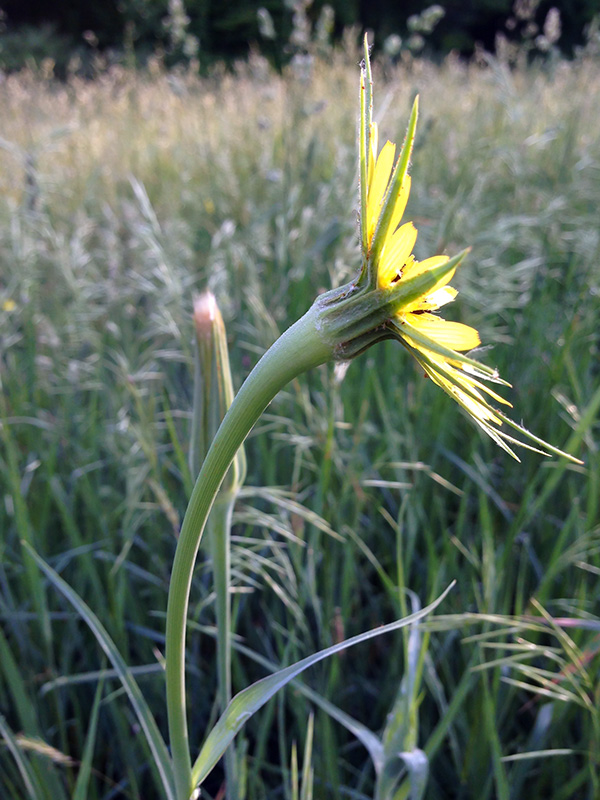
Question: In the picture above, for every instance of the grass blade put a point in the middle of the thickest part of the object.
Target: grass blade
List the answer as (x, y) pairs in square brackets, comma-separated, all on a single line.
[(85, 770), (32, 787), (144, 715)]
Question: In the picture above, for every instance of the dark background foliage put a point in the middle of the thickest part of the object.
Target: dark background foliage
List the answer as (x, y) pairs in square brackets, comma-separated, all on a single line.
[(227, 29)]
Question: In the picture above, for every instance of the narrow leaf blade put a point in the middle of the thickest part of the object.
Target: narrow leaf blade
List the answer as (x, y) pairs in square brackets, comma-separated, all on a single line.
[(144, 715), (85, 770), (248, 701), (32, 786)]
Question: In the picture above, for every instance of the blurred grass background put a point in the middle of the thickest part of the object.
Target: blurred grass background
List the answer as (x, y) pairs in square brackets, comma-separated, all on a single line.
[(122, 197)]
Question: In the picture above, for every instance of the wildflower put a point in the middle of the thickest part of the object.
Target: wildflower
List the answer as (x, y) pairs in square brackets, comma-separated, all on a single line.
[(394, 296), (9, 305), (389, 266)]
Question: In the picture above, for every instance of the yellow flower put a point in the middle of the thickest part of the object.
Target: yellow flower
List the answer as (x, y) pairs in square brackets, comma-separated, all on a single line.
[(396, 296), (9, 305), (396, 261), (438, 345)]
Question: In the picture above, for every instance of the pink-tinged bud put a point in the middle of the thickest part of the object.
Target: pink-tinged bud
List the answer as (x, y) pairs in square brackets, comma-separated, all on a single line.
[(206, 314)]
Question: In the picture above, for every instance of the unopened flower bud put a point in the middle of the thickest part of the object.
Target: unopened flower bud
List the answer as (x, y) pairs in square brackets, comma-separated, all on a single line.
[(213, 388)]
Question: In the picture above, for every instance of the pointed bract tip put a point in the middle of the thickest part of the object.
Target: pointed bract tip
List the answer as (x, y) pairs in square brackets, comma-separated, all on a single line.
[(206, 313)]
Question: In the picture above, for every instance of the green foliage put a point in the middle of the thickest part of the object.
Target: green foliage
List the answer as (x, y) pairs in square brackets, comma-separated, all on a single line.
[(360, 487)]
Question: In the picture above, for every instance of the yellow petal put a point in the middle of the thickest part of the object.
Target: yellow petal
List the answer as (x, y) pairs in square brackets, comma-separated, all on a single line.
[(440, 297), (419, 267), (397, 251), (432, 301), (381, 178), (468, 380), (471, 401), (453, 335), (476, 409)]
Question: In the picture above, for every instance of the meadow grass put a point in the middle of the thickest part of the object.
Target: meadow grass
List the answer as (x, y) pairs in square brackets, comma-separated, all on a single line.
[(122, 197)]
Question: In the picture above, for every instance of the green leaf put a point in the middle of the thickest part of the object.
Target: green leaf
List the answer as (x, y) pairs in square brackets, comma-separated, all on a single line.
[(32, 786), (306, 793), (26, 712), (144, 715), (85, 770), (365, 736), (248, 701), (417, 766)]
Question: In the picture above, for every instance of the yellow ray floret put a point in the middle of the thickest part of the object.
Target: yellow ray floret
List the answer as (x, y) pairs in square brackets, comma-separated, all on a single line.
[(453, 335), (396, 261), (378, 178)]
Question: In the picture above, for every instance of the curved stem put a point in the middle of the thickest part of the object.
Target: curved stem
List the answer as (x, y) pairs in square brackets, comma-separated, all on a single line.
[(298, 349)]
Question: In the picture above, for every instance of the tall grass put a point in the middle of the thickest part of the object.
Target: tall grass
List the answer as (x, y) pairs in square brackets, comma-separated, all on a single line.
[(120, 198)]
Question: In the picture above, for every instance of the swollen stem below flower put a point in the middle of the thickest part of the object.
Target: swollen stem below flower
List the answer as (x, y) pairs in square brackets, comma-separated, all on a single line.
[(300, 348)]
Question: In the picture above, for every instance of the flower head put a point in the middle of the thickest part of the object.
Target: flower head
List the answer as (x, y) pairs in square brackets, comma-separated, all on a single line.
[(412, 292)]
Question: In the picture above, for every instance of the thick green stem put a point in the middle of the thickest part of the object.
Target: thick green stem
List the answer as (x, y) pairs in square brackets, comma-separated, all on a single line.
[(298, 349), (219, 533)]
